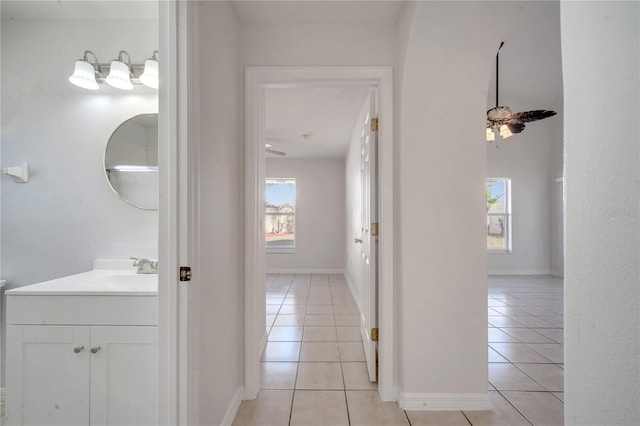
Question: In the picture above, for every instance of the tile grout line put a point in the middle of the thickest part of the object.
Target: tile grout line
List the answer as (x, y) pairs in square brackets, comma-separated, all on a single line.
[(467, 418), (514, 407), (406, 415)]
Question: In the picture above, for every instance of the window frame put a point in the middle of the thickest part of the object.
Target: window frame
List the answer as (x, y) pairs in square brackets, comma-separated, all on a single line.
[(277, 249), (508, 225)]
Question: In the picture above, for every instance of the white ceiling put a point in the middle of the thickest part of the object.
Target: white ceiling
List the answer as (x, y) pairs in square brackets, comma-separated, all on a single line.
[(312, 122)]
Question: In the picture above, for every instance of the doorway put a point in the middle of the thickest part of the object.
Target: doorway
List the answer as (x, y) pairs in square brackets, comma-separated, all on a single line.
[(258, 81)]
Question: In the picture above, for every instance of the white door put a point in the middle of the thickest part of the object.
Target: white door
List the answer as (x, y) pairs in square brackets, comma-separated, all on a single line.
[(369, 296), (124, 375), (47, 375)]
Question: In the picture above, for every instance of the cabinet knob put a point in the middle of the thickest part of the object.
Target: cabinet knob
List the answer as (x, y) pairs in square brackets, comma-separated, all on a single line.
[(78, 349), (95, 349)]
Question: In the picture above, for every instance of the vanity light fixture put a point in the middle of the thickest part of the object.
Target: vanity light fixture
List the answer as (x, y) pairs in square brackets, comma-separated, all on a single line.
[(150, 75), (120, 73)]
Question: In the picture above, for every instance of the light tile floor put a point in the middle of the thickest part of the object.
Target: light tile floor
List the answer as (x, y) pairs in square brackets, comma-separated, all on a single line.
[(313, 369)]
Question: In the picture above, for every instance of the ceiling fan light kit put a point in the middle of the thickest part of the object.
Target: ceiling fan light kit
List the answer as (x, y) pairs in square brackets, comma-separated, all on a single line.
[(506, 123)]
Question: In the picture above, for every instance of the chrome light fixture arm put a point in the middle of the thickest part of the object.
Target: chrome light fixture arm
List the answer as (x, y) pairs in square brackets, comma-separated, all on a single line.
[(95, 62), (127, 62)]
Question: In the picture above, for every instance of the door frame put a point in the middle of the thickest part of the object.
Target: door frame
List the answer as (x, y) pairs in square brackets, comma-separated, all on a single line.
[(178, 144), (256, 80)]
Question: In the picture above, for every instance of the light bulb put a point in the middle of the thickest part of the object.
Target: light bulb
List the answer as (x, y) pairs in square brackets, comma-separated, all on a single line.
[(119, 76), (150, 75), (505, 132), (84, 75), (490, 135)]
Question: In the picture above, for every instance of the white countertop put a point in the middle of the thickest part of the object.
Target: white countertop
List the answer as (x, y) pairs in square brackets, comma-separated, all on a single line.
[(112, 282)]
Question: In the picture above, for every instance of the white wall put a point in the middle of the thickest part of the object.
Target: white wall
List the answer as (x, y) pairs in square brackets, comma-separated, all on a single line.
[(442, 290), (317, 44), (67, 215), (600, 49), (221, 212), (403, 33), (320, 214)]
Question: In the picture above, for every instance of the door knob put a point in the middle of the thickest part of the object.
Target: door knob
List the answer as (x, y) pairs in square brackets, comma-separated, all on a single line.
[(357, 240), (78, 349), (95, 349)]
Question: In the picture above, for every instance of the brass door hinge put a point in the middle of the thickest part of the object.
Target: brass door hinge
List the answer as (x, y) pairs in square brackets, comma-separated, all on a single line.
[(374, 124), (185, 273), (374, 229), (374, 334)]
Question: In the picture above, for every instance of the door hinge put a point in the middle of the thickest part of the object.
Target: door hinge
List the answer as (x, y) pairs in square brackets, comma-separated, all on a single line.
[(374, 124), (374, 334), (374, 229), (185, 273)]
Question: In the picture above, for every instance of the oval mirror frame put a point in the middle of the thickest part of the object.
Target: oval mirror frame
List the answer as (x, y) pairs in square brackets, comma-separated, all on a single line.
[(131, 161)]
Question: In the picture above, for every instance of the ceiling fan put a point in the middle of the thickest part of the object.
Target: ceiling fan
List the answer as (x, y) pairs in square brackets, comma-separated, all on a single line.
[(500, 119), (268, 148), (275, 152)]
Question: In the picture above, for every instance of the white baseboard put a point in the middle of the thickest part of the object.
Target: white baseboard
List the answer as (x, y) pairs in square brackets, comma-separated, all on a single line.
[(352, 289), (444, 401), (557, 274), (304, 271), (232, 409), (520, 272)]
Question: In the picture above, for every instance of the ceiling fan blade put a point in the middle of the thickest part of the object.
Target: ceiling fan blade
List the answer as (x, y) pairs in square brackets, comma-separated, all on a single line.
[(515, 127), (273, 151), (534, 115)]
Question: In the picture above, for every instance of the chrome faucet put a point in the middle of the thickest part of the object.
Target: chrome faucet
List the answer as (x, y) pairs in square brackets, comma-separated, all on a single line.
[(145, 266)]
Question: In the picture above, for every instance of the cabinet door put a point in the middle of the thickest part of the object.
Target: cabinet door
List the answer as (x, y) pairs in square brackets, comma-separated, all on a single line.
[(124, 375), (47, 375)]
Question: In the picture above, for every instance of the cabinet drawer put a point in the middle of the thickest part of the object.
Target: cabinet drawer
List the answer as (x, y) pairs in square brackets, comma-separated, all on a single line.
[(82, 310)]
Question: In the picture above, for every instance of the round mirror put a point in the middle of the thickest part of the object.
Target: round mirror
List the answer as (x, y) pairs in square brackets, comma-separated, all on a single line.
[(131, 161)]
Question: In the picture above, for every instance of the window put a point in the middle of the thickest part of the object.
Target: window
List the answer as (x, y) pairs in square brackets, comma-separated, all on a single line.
[(499, 215), (280, 215)]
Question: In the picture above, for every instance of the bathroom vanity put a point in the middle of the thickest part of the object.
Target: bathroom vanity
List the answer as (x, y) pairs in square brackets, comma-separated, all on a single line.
[(83, 350)]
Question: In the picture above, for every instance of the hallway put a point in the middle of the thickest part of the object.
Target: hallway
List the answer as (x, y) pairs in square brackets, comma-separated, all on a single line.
[(313, 370)]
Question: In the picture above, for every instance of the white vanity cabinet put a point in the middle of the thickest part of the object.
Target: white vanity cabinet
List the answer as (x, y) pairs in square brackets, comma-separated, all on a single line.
[(81, 359), (82, 375)]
